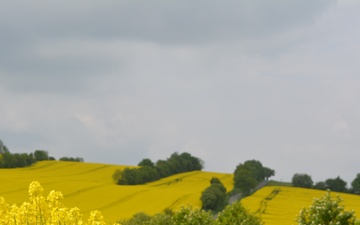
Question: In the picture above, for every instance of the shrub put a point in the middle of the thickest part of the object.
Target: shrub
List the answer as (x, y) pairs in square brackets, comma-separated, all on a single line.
[(326, 211), (190, 216), (236, 214)]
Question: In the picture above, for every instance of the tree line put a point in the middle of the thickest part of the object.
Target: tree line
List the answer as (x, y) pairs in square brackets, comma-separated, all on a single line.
[(148, 171), (333, 184), (15, 160)]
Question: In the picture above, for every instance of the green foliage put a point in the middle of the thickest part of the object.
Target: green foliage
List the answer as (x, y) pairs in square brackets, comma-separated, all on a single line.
[(249, 174), (320, 185), (302, 180), (326, 211), (71, 159), (244, 180), (236, 214), (355, 184), (336, 184), (41, 155), (213, 197), (146, 162), (190, 216), (268, 173), (138, 218), (147, 172)]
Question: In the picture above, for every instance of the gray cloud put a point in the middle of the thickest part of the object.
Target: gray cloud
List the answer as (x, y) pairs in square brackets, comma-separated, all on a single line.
[(118, 82)]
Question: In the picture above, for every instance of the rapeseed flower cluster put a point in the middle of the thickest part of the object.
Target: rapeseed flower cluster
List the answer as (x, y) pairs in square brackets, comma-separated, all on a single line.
[(41, 210)]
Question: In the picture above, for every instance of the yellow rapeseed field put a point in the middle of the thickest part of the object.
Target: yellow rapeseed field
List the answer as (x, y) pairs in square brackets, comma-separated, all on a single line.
[(89, 186), (280, 205)]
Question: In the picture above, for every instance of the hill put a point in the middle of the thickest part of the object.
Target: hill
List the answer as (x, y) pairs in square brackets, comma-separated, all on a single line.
[(89, 186), (279, 205)]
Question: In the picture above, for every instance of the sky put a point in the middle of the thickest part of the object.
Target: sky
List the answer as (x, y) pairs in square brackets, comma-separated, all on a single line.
[(227, 81)]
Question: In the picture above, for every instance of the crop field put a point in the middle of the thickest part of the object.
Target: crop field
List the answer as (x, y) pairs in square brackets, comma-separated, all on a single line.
[(280, 205), (89, 186)]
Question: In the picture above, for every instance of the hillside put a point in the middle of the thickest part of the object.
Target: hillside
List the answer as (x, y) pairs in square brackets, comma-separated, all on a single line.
[(89, 186), (279, 205)]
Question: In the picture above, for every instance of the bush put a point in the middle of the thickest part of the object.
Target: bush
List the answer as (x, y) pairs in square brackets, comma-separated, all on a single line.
[(236, 214), (326, 211), (190, 216)]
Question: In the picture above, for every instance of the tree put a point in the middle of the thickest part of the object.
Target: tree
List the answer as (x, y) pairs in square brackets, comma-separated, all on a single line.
[(41, 155), (355, 184), (336, 184), (268, 173), (244, 180), (256, 169), (249, 174), (326, 211), (302, 180), (236, 214), (146, 162), (320, 185), (213, 197)]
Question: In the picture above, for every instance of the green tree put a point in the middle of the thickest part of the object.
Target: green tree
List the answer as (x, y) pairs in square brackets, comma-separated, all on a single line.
[(41, 155), (355, 184), (268, 173), (236, 214), (137, 219), (256, 169), (302, 180), (146, 162), (326, 211), (320, 185), (336, 184), (244, 180), (213, 197)]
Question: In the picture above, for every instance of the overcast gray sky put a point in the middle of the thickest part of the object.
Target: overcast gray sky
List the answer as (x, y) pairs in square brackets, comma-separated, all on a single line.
[(227, 81)]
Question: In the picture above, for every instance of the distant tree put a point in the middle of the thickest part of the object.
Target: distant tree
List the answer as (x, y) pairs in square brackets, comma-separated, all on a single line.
[(355, 184), (2, 151), (256, 169), (320, 185), (147, 171), (249, 174), (302, 180), (244, 180), (146, 162), (336, 184), (70, 159), (213, 197), (268, 173), (41, 155), (326, 211)]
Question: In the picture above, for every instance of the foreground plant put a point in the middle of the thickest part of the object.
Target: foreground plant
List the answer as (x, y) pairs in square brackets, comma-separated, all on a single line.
[(326, 211), (47, 210)]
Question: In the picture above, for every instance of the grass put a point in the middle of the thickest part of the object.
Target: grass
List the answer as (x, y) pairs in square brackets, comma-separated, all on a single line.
[(279, 205), (89, 186)]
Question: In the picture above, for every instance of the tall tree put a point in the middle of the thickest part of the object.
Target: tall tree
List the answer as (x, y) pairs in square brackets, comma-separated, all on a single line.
[(302, 180), (336, 184), (355, 184)]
